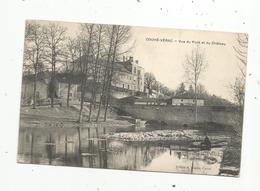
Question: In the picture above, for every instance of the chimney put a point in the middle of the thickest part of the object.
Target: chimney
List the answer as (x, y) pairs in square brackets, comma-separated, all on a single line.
[(136, 62), (123, 58), (131, 59)]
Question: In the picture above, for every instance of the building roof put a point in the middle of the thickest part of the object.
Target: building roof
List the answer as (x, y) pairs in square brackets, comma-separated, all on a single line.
[(123, 66), (144, 99), (186, 96)]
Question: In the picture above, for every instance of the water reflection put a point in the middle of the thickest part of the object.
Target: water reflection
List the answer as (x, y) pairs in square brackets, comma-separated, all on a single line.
[(201, 162), (85, 147)]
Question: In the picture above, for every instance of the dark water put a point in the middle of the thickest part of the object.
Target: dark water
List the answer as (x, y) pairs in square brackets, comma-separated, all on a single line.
[(85, 148)]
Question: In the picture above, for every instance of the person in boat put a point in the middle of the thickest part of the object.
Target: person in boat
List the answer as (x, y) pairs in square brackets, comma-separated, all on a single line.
[(206, 144)]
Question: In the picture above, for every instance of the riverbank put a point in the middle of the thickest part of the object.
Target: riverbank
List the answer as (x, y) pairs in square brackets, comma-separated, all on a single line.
[(183, 115), (58, 125), (157, 135), (65, 117)]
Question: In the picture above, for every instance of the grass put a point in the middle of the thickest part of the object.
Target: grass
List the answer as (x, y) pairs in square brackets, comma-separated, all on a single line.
[(67, 116)]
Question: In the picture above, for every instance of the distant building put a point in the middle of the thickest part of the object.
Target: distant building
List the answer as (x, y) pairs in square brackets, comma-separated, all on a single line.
[(185, 100), (135, 100), (174, 101), (129, 75), (128, 79)]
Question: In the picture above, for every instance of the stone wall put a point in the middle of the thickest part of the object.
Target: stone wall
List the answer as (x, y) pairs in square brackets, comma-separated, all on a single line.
[(27, 91), (183, 114), (121, 94)]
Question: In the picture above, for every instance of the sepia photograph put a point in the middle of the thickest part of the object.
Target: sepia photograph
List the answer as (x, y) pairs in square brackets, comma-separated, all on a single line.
[(132, 98)]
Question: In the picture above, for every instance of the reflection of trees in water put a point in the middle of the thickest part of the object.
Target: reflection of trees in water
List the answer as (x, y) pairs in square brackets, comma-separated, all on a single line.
[(104, 154), (95, 154), (151, 152), (147, 156), (178, 155), (133, 156), (26, 146), (92, 150), (79, 153), (50, 148), (67, 147), (32, 143)]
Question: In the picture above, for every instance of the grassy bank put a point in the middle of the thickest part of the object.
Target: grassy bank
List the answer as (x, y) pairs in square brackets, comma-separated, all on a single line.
[(61, 117)]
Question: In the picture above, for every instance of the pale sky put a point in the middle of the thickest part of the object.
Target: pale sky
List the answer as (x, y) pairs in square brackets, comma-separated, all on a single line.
[(165, 59)]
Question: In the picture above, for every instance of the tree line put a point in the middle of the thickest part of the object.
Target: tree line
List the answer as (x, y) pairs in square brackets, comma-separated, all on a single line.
[(151, 84), (89, 54)]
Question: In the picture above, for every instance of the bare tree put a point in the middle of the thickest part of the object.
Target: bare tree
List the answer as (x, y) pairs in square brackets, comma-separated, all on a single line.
[(96, 67), (166, 91), (180, 90), (201, 90), (121, 38), (149, 81), (241, 52), (238, 86), (117, 38), (238, 89), (73, 55), (106, 71), (195, 64), (34, 48), (87, 32), (115, 29), (54, 41)]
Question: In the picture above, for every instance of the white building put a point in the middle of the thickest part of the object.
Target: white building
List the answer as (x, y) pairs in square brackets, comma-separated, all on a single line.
[(129, 75), (185, 101)]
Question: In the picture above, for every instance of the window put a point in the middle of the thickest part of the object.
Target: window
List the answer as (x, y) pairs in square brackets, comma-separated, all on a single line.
[(123, 85), (134, 70), (127, 86)]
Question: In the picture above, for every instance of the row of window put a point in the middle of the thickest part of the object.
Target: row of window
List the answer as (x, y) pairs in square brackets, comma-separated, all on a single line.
[(127, 86), (188, 100), (130, 78)]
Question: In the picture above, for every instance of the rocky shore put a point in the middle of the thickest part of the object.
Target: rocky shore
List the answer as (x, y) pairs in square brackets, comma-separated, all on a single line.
[(164, 135)]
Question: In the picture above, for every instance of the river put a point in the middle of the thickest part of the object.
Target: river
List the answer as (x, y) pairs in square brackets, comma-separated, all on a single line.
[(86, 147)]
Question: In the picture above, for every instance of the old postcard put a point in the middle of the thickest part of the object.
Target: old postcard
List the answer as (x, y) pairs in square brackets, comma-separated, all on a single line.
[(132, 98)]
